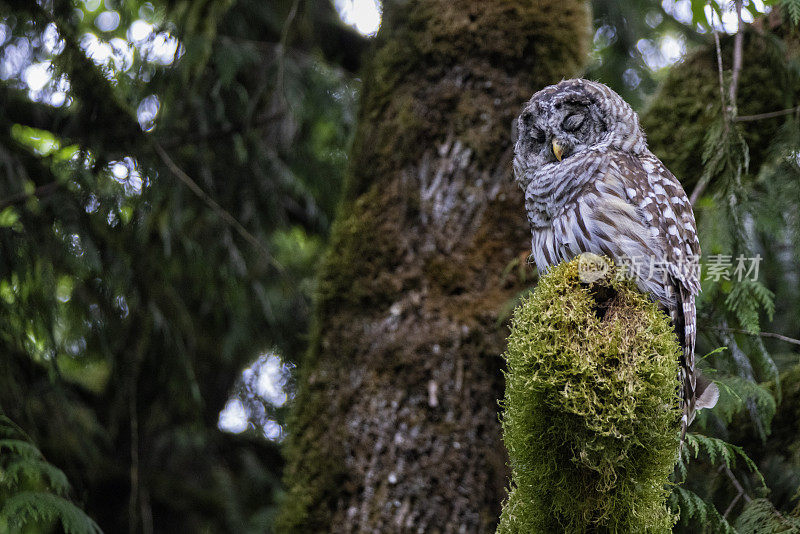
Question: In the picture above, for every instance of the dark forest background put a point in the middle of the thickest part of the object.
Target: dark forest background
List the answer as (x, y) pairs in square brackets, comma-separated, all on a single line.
[(217, 271)]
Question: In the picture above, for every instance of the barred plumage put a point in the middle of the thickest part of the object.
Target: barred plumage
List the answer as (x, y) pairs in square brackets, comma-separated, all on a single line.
[(591, 185)]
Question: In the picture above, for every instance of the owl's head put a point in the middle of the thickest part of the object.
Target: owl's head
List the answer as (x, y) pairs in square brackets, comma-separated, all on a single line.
[(566, 119)]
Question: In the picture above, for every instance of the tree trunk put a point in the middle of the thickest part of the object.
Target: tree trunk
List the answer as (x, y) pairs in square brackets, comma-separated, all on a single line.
[(395, 426)]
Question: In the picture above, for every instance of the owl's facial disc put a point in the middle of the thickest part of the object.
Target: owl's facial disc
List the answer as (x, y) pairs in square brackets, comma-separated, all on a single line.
[(556, 126), (572, 124), (568, 121)]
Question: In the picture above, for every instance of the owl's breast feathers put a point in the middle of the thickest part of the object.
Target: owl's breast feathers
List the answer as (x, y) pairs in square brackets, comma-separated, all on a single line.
[(630, 208)]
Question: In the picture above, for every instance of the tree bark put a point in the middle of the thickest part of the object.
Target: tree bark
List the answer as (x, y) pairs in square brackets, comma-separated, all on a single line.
[(395, 426)]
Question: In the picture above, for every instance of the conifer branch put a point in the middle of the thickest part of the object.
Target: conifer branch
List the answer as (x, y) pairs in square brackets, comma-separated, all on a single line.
[(213, 204), (767, 115), (772, 335)]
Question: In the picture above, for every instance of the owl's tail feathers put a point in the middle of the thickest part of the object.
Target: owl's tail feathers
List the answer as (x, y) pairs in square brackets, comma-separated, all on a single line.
[(698, 392), (706, 395)]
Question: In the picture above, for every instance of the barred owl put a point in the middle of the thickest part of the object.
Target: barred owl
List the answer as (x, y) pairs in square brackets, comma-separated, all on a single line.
[(591, 185)]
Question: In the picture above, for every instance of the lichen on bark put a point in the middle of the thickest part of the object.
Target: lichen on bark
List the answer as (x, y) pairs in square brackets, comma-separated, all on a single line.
[(590, 415), (395, 425)]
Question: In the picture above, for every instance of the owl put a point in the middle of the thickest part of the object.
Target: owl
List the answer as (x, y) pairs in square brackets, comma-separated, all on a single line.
[(592, 185)]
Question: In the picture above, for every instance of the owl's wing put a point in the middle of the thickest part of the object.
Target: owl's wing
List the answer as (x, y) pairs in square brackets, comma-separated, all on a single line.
[(667, 215), (666, 209), (641, 200)]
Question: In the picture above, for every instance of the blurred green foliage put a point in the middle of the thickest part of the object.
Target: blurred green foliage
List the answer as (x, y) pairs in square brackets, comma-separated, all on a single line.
[(130, 302), (33, 492)]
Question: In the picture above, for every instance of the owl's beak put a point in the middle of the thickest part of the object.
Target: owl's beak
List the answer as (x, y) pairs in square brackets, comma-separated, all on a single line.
[(558, 150)]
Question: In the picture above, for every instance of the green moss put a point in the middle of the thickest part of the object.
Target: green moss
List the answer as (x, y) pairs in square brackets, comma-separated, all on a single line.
[(590, 415), (688, 102), (312, 467), (364, 248)]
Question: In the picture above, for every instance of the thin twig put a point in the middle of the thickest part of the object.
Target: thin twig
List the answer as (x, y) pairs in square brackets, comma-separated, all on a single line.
[(698, 190), (747, 497), (719, 62), (282, 46), (139, 508), (732, 504), (134, 469), (703, 183), (219, 210), (738, 44), (768, 115), (737, 484), (773, 335), (288, 23)]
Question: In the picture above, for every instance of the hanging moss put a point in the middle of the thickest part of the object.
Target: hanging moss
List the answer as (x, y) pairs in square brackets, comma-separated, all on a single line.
[(590, 416)]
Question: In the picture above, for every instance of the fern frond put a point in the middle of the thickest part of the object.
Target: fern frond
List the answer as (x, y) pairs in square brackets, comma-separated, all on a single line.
[(20, 471), (19, 447), (766, 366), (29, 508), (746, 299), (719, 450), (735, 392), (691, 507), (33, 491), (714, 448), (759, 515), (792, 8)]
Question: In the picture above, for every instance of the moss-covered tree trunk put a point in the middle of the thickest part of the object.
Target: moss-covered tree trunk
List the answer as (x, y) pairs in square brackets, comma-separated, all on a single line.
[(590, 415), (396, 425)]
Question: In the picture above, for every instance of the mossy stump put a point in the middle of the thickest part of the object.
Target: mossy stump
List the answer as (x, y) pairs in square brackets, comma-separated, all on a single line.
[(590, 417)]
